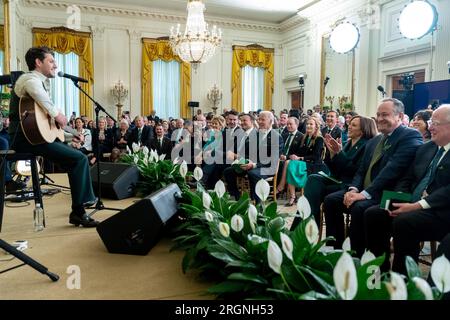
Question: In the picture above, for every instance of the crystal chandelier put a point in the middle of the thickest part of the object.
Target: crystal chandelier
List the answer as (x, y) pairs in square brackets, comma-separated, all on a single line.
[(197, 44)]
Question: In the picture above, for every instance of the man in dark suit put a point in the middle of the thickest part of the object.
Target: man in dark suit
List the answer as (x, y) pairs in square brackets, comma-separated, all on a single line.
[(332, 129), (141, 133), (225, 153), (386, 158), (246, 149), (269, 146), (282, 125), (160, 143), (427, 218)]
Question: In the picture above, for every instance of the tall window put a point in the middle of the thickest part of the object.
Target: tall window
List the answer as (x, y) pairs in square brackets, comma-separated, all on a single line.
[(252, 88), (1, 62), (64, 94), (166, 88)]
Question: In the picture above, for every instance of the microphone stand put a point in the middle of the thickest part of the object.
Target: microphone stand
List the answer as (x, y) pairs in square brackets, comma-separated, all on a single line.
[(99, 205)]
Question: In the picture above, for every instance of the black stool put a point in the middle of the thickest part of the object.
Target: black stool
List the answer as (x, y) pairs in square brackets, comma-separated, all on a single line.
[(11, 155)]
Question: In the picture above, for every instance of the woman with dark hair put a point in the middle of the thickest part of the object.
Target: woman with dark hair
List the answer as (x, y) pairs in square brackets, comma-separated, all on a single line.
[(343, 165), (347, 116), (420, 122)]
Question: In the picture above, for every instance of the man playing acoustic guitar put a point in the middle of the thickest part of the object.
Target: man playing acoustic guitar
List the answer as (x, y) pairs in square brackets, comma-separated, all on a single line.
[(36, 84)]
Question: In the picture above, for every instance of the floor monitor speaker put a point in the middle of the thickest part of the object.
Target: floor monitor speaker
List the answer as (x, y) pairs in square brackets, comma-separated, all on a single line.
[(136, 229), (118, 180)]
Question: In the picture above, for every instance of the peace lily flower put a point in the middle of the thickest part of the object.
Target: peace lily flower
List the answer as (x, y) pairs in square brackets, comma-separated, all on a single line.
[(440, 273), (252, 216), (220, 188), (303, 207), (135, 158), (397, 287), (344, 277), (312, 231), (262, 189), (146, 160), (346, 245), (145, 150), (224, 229), (208, 216), (154, 156), (237, 223), (176, 160), (135, 147), (162, 157), (274, 256), (367, 257), (198, 173), (206, 200), (287, 245), (183, 169), (424, 287), (128, 150)]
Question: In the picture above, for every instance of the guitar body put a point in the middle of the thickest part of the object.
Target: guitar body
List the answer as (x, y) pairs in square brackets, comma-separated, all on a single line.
[(37, 125)]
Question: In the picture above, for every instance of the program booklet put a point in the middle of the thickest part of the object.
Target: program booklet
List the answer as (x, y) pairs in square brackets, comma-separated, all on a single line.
[(323, 174), (390, 197), (236, 165)]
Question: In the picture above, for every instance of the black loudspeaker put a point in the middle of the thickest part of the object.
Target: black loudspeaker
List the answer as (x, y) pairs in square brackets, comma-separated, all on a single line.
[(136, 229), (193, 104), (118, 180)]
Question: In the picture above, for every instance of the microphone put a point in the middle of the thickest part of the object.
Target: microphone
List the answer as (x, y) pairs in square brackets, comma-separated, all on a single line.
[(325, 82), (71, 77), (381, 89)]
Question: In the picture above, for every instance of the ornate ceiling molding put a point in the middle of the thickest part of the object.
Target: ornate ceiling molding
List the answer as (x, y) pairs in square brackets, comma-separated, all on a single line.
[(161, 16)]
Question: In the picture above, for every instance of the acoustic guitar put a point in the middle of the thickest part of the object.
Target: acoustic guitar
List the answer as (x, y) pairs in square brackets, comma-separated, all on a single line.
[(38, 126)]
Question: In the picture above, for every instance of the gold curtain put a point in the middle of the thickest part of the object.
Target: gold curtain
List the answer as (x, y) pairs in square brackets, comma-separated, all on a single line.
[(154, 49), (255, 56), (64, 40)]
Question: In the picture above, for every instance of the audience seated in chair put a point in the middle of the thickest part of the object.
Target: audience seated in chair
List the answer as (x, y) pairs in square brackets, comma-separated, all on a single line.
[(386, 159), (269, 145), (307, 160), (343, 164), (427, 218)]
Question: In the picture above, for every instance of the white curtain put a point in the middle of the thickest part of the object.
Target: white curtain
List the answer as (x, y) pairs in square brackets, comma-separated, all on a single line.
[(252, 88), (1, 62), (166, 89), (64, 94)]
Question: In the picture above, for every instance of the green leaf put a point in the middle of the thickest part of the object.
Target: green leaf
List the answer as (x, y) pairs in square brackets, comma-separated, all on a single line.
[(247, 277), (329, 289), (369, 284), (271, 210), (295, 278), (313, 295), (233, 248), (222, 256), (413, 292), (412, 268), (242, 264), (275, 226)]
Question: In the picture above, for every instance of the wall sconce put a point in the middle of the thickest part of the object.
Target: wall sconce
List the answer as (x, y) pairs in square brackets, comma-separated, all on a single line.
[(119, 92), (214, 95)]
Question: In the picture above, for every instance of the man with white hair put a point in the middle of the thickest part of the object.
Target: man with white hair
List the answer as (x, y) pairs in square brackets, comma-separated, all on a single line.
[(268, 148), (427, 217)]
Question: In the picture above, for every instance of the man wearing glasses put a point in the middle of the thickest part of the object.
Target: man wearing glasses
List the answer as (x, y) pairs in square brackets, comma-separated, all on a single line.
[(427, 217)]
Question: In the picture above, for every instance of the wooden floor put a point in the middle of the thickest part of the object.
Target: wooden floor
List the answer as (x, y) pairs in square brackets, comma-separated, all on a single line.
[(64, 249)]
